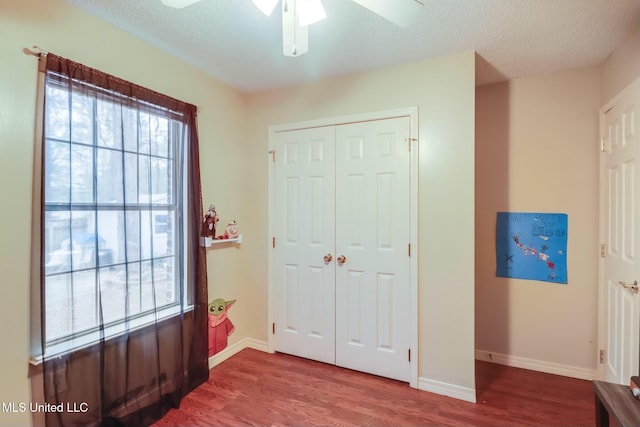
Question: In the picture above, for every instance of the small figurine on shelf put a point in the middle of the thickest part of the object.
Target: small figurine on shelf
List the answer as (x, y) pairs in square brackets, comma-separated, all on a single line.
[(209, 223), (232, 230)]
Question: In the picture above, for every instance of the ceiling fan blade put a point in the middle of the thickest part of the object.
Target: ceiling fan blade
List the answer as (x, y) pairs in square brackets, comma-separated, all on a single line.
[(266, 6), (401, 12), (310, 11), (178, 4)]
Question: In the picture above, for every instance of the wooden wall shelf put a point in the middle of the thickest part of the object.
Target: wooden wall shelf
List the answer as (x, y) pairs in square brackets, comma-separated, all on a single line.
[(208, 243)]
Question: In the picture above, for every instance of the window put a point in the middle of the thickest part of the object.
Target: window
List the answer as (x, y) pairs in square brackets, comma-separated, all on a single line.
[(113, 211)]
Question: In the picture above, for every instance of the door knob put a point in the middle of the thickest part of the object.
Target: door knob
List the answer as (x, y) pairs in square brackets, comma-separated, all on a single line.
[(342, 259), (633, 287), (328, 258)]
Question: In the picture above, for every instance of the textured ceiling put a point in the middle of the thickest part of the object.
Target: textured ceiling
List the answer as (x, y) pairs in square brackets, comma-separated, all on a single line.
[(234, 42)]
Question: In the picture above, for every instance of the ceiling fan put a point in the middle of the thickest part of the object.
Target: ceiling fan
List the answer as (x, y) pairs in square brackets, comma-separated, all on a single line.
[(297, 15)]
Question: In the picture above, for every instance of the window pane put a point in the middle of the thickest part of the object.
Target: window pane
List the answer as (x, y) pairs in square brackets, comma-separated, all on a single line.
[(146, 286), (163, 275), (57, 172), (133, 237), (109, 176), (134, 295), (57, 113), (130, 129), (146, 234), (57, 242), (84, 301), (81, 118), (57, 301), (163, 233), (109, 123), (144, 133), (112, 238), (131, 178), (144, 180), (69, 241), (157, 281), (71, 304), (113, 293), (161, 180), (83, 240), (159, 127), (82, 174)]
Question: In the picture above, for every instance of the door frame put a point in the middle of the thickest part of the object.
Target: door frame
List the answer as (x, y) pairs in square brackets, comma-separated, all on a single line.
[(412, 114), (602, 206)]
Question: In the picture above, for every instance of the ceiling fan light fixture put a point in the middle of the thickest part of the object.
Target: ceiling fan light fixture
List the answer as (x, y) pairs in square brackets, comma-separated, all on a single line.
[(310, 11), (266, 6), (297, 15), (178, 4), (403, 13)]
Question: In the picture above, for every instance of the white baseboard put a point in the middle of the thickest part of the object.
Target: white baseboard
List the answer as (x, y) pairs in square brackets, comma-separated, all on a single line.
[(237, 347), (445, 389), (536, 365)]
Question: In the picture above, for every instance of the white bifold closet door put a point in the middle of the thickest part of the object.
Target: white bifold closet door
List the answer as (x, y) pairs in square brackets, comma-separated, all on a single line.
[(342, 218)]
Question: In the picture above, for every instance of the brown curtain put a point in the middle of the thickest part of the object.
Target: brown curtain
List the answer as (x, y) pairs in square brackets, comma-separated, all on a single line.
[(124, 320)]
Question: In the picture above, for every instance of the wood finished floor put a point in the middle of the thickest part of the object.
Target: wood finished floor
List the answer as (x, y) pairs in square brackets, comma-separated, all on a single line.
[(253, 388)]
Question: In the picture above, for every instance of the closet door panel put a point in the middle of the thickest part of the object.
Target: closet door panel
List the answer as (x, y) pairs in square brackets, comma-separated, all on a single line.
[(305, 229), (373, 235)]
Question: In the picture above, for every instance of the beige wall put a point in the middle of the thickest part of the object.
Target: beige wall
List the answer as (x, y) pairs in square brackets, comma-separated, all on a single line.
[(443, 89), (536, 151), (621, 67), (62, 29)]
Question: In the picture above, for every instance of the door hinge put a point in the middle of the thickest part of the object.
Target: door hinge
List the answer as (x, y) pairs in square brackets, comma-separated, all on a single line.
[(409, 355), (273, 242), (603, 250), (273, 328), (273, 155), (409, 249), (603, 145), (601, 356), (409, 142)]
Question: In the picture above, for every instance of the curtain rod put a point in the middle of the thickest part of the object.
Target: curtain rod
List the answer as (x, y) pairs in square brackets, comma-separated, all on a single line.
[(36, 51), (39, 52)]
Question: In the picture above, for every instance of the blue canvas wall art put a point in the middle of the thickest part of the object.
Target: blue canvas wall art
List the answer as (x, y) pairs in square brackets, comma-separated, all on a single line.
[(532, 246)]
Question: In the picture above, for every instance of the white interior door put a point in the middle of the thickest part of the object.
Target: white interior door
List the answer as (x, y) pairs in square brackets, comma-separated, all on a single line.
[(305, 232), (373, 236), (620, 130)]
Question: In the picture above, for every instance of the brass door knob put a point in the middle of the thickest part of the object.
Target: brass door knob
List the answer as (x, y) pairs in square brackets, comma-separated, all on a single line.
[(633, 287), (328, 258), (342, 259)]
